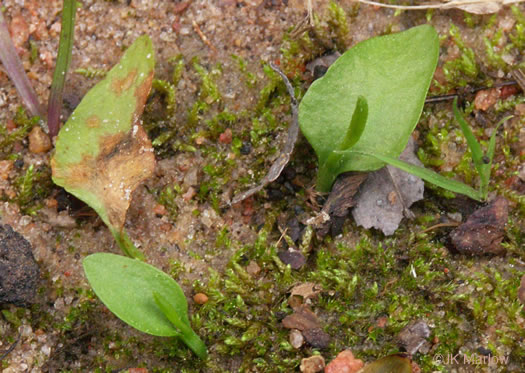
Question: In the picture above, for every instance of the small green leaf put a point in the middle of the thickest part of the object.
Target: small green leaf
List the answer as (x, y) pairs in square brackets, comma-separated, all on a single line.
[(393, 73), (430, 176), (472, 142), (357, 124), (126, 286)]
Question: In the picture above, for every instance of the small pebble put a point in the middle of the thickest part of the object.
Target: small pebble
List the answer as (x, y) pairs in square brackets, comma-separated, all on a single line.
[(5, 168), (344, 362), (296, 338), (246, 148), (39, 142), (253, 268), (312, 364), (200, 298), (226, 137), (160, 210)]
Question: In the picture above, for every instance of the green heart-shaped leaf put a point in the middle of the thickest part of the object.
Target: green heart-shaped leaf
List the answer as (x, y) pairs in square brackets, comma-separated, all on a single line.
[(393, 73)]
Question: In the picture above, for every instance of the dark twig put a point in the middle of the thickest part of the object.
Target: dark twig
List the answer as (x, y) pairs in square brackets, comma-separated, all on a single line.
[(11, 348), (62, 65), (283, 158), (16, 72), (450, 97)]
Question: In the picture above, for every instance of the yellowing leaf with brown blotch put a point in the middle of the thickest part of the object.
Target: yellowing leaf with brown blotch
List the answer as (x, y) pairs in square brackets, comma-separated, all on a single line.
[(102, 152)]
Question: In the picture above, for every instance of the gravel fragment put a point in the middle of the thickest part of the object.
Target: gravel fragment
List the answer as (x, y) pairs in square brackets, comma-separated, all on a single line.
[(296, 338), (19, 273), (39, 141), (317, 338), (312, 364), (344, 362), (294, 258), (414, 336)]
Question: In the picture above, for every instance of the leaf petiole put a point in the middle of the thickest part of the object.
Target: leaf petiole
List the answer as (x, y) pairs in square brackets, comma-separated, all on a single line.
[(187, 335)]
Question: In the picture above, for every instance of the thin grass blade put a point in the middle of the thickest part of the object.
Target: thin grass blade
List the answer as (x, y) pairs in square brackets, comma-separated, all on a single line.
[(472, 142), (430, 176), (485, 175), (62, 66), (16, 72)]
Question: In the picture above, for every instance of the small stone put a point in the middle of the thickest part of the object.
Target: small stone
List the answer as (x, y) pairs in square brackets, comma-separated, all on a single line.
[(160, 210), (344, 362), (19, 30), (5, 168), (382, 322), (486, 98), (296, 338), (190, 193), (19, 273), (39, 141), (246, 148), (253, 268), (317, 338), (414, 336), (483, 231), (226, 137), (294, 258), (303, 319), (312, 364), (200, 298)]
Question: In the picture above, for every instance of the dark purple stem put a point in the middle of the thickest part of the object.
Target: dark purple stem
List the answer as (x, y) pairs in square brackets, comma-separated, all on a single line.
[(16, 72)]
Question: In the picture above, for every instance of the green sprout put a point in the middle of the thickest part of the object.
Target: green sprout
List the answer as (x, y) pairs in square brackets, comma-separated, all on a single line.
[(142, 296)]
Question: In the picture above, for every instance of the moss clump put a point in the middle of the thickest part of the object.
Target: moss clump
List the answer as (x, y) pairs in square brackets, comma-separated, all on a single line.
[(24, 124)]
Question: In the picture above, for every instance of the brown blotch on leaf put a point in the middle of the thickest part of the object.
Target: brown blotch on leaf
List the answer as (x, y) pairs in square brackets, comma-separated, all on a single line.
[(120, 85), (483, 231), (141, 94), (93, 121), (124, 161)]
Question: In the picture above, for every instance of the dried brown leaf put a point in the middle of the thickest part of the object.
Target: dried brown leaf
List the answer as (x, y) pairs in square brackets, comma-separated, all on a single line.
[(471, 6)]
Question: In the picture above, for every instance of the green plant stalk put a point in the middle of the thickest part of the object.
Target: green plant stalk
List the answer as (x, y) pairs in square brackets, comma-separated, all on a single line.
[(187, 335), (62, 65), (125, 244), (329, 170)]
